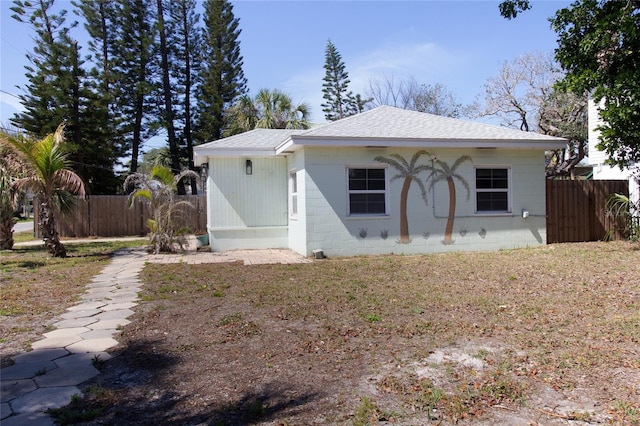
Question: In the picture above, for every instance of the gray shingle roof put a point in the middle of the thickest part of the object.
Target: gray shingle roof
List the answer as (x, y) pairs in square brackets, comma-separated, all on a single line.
[(254, 139), (382, 126), (386, 122)]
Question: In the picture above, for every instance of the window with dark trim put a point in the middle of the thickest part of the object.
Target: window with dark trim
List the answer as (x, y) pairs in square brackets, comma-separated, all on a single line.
[(367, 191), (492, 190)]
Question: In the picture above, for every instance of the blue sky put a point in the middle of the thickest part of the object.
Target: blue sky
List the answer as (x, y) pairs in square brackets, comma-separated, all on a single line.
[(456, 43)]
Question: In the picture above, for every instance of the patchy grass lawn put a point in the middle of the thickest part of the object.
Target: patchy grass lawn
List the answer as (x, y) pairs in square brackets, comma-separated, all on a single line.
[(535, 336), (35, 288)]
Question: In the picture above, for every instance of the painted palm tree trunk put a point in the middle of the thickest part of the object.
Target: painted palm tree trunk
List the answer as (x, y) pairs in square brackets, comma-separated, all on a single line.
[(404, 220), (448, 231)]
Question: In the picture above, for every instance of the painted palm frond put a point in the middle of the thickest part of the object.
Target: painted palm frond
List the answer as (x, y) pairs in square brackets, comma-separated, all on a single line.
[(464, 183), (408, 171), (442, 172)]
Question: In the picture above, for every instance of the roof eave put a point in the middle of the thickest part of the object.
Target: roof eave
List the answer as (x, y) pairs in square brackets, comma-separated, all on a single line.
[(296, 141), (202, 155)]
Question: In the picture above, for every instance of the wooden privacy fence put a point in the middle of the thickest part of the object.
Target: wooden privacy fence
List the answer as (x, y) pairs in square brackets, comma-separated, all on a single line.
[(576, 210), (110, 216)]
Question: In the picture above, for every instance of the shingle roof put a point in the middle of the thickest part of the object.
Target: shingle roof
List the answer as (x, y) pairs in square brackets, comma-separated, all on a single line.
[(395, 123), (254, 139), (384, 126)]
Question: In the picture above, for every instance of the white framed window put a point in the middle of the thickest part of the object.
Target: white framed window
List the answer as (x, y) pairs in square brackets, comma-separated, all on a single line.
[(367, 190), (493, 193), (293, 194)]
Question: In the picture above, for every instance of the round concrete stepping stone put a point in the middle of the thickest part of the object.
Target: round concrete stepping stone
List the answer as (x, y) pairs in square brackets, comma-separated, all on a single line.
[(12, 389), (42, 399), (56, 342)]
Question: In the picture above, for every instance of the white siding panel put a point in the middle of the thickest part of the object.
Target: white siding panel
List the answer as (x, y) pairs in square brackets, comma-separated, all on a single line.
[(596, 156), (240, 200)]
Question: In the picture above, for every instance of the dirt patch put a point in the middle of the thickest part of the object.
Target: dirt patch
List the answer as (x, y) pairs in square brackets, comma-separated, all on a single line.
[(540, 336)]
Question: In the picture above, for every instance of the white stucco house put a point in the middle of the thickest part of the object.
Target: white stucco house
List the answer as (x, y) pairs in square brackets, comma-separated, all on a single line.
[(384, 181), (598, 158)]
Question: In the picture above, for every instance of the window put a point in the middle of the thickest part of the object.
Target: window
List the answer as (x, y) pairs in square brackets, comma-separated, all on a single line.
[(293, 194), (492, 190), (367, 191)]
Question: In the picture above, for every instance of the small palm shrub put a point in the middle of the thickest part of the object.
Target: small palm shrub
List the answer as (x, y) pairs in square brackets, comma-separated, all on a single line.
[(627, 213), (158, 190)]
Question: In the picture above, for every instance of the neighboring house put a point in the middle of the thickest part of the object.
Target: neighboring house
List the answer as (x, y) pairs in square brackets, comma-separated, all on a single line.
[(384, 181), (597, 158)]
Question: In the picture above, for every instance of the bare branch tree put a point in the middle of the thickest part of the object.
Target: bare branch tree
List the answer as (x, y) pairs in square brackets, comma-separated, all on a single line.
[(409, 94), (523, 96)]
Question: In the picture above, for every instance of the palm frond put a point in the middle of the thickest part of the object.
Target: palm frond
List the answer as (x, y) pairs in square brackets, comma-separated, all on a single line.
[(464, 183)]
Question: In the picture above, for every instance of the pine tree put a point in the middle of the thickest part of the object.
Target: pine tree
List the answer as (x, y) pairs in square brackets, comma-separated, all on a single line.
[(59, 92), (102, 127), (167, 113), (183, 39), (222, 79), (340, 101), (133, 57)]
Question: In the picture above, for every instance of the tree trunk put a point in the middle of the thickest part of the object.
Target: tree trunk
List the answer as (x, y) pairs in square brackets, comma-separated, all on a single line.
[(168, 105), (404, 221), (448, 232), (48, 230), (6, 233)]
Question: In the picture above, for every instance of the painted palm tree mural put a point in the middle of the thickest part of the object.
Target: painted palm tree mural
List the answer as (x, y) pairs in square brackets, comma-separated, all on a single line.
[(409, 171), (440, 171)]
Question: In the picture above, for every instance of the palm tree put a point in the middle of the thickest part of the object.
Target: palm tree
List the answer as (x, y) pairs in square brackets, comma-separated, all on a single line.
[(10, 170), (408, 171), (158, 190), (448, 174), (270, 109), (50, 178)]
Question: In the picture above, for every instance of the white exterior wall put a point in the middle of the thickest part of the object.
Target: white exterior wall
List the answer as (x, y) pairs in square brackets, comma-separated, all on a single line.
[(298, 223), (328, 226), (247, 211), (597, 158)]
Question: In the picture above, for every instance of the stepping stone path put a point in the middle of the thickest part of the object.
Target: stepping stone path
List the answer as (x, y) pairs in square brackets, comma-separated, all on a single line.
[(48, 376)]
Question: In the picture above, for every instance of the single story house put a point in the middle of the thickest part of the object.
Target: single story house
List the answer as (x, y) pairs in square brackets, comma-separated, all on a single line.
[(387, 180)]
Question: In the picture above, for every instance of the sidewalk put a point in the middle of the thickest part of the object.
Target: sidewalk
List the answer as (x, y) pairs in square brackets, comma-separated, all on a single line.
[(49, 375)]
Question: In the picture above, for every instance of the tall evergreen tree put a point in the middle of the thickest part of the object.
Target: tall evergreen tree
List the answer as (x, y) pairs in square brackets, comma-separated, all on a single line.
[(167, 113), (183, 39), (59, 92), (102, 127), (133, 57), (222, 80), (340, 101)]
